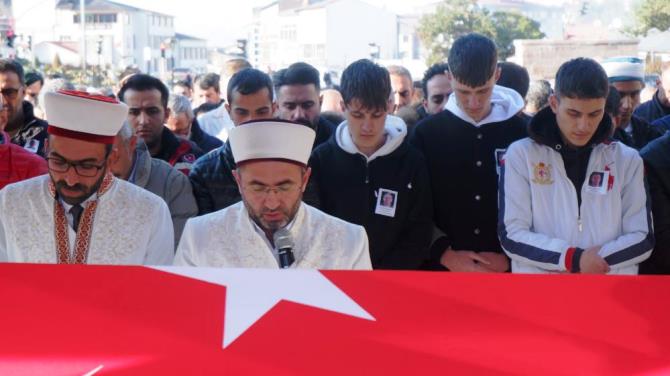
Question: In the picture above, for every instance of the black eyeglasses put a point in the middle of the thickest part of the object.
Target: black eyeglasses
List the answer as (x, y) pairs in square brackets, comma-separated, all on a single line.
[(85, 169), (10, 93)]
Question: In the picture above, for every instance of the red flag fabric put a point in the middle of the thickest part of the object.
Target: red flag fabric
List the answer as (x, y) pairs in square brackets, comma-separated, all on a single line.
[(106, 320)]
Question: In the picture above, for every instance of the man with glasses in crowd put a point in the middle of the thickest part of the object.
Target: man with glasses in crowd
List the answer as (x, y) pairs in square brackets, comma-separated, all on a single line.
[(271, 172), (80, 213), (23, 127)]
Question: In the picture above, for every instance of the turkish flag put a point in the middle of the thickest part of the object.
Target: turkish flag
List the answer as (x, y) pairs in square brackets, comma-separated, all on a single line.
[(111, 320)]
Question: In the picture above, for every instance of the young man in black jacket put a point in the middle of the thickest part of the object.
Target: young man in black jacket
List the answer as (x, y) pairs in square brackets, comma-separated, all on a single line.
[(369, 174), (463, 146)]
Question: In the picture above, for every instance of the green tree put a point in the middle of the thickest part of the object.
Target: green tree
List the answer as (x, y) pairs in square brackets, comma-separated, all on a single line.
[(452, 19), (510, 26), (651, 14), (455, 18)]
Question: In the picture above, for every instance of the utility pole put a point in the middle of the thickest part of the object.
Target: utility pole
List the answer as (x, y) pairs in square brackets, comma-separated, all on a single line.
[(82, 21)]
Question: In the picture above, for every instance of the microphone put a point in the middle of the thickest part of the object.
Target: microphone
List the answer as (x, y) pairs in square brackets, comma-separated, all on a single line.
[(284, 244)]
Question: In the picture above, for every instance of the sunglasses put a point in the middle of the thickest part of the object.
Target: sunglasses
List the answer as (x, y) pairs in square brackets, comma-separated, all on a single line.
[(10, 93)]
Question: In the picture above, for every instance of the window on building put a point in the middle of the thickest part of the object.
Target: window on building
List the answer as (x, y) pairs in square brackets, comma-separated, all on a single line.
[(288, 32), (97, 18), (308, 51)]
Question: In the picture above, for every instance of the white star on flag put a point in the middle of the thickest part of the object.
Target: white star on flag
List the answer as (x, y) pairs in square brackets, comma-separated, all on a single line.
[(251, 293)]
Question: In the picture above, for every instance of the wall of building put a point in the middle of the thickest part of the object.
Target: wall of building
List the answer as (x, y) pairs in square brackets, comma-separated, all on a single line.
[(542, 58), (46, 51), (312, 29), (268, 24), (191, 54), (329, 36)]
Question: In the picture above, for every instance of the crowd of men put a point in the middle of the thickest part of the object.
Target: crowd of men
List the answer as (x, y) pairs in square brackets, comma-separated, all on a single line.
[(473, 169)]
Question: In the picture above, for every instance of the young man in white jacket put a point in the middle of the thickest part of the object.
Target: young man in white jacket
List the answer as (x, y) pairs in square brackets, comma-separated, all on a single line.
[(572, 200)]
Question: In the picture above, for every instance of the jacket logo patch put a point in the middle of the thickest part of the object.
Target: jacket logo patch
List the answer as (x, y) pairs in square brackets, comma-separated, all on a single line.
[(542, 174)]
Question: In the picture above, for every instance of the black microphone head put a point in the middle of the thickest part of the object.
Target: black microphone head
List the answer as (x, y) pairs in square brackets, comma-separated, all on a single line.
[(283, 239)]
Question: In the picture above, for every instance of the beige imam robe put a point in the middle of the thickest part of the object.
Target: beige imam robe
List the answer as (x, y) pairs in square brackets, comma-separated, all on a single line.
[(131, 226), (228, 238)]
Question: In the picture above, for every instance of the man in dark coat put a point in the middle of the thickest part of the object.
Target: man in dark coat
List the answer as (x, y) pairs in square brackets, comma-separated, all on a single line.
[(23, 127), (369, 174), (463, 147), (659, 105), (626, 74)]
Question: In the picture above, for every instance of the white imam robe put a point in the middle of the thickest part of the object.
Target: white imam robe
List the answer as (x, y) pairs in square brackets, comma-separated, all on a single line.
[(229, 239), (131, 226)]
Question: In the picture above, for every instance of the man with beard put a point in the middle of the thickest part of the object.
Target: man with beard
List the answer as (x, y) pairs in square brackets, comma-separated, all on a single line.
[(626, 74), (22, 126), (271, 172), (299, 100), (147, 100), (80, 213)]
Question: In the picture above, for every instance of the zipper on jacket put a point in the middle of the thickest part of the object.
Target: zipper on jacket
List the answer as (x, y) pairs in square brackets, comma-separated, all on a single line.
[(580, 227), (579, 223), (367, 169)]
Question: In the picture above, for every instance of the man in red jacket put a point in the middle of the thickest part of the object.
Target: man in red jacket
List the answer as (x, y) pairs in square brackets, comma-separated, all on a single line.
[(18, 164)]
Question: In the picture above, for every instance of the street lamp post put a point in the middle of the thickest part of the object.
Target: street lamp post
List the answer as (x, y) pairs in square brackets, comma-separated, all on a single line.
[(82, 20)]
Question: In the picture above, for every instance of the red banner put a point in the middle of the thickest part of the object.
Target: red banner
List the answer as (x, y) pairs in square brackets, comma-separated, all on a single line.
[(101, 320)]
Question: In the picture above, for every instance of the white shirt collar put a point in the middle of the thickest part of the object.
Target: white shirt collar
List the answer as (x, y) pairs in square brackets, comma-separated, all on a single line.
[(67, 207)]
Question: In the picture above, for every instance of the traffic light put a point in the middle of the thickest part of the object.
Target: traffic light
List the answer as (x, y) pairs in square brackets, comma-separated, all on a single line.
[(10, 38), (163, 47), (99, 49), (30, 42)]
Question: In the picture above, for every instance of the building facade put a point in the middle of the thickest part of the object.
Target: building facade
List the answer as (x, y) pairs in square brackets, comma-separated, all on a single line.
[(117, 35), (190, 53), (329, 34)]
